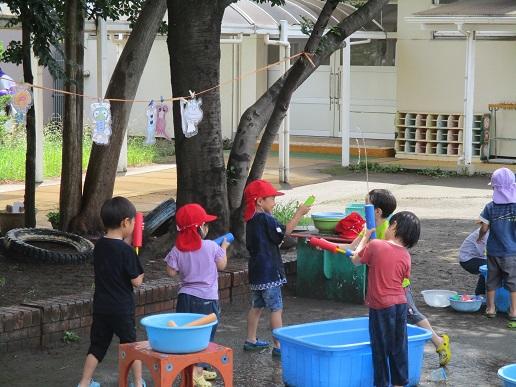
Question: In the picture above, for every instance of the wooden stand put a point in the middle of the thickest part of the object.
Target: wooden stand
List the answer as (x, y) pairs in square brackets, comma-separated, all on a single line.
[(165, 368)]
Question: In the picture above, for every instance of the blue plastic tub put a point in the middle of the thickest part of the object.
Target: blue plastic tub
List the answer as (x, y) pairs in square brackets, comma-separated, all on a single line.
[(163, 338), (502, 295), (508, 375), (337, 353)]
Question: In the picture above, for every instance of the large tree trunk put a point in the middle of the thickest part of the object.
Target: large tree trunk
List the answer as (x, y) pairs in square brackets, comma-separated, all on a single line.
[(248, 131), (101, 173), (194, 48), (71, 170), (30, 158)]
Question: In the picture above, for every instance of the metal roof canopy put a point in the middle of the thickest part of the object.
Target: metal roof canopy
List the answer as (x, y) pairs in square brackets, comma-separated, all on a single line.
[(469, 17)]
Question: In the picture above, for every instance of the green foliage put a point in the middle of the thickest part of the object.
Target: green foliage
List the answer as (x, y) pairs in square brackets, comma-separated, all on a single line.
[(54, 218), (70, 337), (138, 153), (2, 282), (284, 212)]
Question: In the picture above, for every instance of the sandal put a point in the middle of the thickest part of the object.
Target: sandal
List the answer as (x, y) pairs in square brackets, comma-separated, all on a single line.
[(444, 351), (199, 381), (511, 325), (209, 375), (511, 318), (490, 315)]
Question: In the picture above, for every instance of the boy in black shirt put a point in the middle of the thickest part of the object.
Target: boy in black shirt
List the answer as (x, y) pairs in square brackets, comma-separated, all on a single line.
[(117, 271)]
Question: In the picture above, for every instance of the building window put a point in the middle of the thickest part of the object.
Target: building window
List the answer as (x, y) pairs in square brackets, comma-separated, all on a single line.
[(440, 2), (379, 52)]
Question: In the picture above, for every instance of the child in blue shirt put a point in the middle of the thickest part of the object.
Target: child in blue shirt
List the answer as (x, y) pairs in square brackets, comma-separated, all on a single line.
[(499, 217), (264, 234)]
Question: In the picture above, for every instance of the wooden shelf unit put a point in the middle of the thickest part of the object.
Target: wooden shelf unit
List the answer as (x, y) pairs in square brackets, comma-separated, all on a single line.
[(434, 135)]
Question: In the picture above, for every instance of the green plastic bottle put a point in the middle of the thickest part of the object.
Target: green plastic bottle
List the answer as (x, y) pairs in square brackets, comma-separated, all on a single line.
[(310, 201)]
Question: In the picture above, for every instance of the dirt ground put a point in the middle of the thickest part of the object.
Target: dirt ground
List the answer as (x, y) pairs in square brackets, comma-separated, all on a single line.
[(447, 208)]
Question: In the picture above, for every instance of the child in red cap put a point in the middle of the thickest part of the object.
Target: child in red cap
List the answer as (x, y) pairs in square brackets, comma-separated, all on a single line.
[(264, 234), (197, 261)]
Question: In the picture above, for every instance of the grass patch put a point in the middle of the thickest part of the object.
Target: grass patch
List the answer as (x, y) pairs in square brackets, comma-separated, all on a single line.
[(284, 212), (13, 148), (389, 168)]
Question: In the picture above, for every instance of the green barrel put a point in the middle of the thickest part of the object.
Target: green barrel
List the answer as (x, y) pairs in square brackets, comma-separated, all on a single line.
[(324, 275)]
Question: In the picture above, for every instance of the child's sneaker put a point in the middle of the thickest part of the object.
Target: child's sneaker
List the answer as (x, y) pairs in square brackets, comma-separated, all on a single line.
[(209, 375), (93, 383), (199, 381), (257, 346), (276, 352), (444, 351)]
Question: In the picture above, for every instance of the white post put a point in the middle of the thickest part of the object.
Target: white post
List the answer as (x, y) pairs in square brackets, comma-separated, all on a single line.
[(38, 106), (284, 143), (122, 159), (101, 57), (469, 98), (345, 101)]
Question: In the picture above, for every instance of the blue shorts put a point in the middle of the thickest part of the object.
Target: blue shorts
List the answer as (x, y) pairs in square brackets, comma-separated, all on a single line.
[(270, 298), (186, 303)]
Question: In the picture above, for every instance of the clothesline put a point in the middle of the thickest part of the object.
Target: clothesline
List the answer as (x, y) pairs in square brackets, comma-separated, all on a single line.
[(170, 99)]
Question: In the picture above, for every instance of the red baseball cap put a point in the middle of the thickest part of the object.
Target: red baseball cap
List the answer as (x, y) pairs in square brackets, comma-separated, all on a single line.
[(188, 219), (254, 190)]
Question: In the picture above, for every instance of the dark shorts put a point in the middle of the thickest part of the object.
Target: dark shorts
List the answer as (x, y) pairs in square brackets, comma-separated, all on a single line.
[(389, 345), (270, 298), (186, 303), (414, 316), (103, 328), (501, 270)]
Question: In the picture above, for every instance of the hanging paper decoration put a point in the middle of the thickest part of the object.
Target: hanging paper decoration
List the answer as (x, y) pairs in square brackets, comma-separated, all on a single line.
[(150, 112), (6, 83), (101, 115), (21, 101), (161, 121), (191, 114)]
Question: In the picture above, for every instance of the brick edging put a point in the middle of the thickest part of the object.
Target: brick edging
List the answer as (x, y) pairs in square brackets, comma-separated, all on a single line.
[(43, 323)]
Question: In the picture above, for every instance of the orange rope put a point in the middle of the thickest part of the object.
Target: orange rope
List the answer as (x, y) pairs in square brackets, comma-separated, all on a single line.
[(171, 99)]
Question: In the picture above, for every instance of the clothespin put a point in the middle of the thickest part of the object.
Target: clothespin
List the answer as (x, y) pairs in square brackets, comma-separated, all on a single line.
[(192, 94), (151, 102), (162, 99)]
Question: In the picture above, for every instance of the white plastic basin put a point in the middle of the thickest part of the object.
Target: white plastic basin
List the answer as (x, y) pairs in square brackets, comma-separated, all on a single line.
[(438, 298)]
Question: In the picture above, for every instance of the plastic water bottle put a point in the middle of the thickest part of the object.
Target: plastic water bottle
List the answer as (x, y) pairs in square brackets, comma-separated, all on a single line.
[(229, 238)]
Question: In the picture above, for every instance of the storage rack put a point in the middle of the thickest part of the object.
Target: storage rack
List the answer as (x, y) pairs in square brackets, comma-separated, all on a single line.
[(436, 136)]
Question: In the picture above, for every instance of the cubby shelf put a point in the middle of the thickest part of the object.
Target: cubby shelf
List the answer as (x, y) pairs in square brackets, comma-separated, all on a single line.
[(434, 135)]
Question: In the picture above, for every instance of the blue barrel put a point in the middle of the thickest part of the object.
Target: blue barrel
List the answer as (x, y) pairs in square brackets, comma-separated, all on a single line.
[(369, 216)]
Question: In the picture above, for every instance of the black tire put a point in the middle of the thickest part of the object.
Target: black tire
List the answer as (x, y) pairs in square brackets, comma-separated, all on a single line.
[(18, 241)]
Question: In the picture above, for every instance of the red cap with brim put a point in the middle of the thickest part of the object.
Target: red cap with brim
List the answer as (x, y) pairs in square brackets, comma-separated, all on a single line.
[(254, 190), (188, 219)]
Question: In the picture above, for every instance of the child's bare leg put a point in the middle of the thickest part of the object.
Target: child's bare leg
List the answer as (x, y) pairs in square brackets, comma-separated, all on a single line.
[(89, 368), (276, 322), (512, 310), (436, 339), (253, 317), (137, 373), (490, 304)]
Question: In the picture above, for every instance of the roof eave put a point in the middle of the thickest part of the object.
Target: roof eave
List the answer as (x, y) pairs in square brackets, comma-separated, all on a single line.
[(471, 23)]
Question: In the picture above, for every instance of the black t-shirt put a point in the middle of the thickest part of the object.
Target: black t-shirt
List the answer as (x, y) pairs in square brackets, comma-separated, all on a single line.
[(115, 264)]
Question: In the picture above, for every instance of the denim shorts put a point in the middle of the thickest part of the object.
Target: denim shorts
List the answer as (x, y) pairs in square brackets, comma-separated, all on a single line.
[(501, 271), (270, 298), (414, 316)]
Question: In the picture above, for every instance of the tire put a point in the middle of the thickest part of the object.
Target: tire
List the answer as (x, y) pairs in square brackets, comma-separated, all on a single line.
[(18, 241)]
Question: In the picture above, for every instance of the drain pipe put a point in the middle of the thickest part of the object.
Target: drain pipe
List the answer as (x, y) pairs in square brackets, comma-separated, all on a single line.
[(284, 134)]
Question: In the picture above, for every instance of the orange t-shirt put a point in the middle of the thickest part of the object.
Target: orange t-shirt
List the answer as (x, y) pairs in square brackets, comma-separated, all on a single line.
[(388, 265)]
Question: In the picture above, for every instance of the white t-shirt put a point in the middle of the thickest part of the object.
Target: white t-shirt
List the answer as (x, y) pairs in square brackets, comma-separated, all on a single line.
[(470, 248)]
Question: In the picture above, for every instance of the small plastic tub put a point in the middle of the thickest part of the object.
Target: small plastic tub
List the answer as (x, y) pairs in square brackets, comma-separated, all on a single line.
[(179, 339), (327, 221), (472, 305), (438, 298), (508, 375)]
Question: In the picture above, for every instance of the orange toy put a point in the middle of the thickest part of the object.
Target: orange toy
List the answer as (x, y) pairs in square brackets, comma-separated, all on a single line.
[(165, 368), (202, 321)]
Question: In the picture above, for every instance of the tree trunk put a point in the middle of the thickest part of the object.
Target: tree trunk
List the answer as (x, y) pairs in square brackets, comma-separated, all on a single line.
[(71, 170), (194, 48), (30, 159), (101, 173), (273, 115)]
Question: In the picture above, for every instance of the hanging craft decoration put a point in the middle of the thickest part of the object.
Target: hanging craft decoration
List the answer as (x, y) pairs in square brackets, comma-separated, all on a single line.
[(191, 114), (161, 121), (101, 115), (150, 112), (21, 101)]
